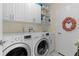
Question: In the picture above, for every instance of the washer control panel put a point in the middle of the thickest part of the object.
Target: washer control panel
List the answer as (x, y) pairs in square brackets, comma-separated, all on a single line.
[(27, 36), (47, 34)]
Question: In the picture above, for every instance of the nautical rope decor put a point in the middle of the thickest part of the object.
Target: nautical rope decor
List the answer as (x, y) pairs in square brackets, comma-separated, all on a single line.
[(71, 24)]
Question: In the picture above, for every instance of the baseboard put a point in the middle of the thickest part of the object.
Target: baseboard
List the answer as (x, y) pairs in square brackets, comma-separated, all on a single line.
[(61, 54), (77, 53)]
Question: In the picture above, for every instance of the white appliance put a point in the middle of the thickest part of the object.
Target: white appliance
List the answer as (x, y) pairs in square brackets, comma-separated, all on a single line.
[(51, 37), (42, 44), (17, 45)]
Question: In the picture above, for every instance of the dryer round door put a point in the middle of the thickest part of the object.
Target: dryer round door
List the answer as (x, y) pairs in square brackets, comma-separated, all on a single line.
[(42, 47), (17, 49)]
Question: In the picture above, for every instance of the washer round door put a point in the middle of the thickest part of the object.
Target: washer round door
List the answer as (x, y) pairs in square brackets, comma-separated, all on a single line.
[(42, 47), (18, 49)]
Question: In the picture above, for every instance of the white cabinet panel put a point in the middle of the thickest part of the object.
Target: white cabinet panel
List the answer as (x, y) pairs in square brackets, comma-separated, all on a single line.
[(38, 14), (35, 13), (28, 17), (19, 12), (8, 11), (32, 13), (28, 12)]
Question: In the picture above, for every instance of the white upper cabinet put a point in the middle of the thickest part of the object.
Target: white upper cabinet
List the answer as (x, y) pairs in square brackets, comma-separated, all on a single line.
[(28, 12), (8, 11), (28, 15), (34, 12), (19, 12)]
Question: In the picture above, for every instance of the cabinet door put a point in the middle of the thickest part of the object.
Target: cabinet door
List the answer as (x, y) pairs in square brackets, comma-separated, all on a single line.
[(19, 12), (8, 11), (28, 16), (22, 12), (35, 13), (32, 13)]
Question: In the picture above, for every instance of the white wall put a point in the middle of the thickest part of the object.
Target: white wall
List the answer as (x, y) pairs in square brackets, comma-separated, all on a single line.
[(18, 26), (0, 27), (65, 43)]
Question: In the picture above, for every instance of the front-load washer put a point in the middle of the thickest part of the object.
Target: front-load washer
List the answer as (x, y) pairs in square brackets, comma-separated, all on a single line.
[(14, 45), (51, 37), (41, 44)]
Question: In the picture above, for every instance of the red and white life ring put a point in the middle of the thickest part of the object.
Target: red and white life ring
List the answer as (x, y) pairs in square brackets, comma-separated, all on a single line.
[(69, 20)]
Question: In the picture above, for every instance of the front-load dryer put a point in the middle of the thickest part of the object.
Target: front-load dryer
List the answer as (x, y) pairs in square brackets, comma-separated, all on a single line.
[(14, 45), (41, 45)]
